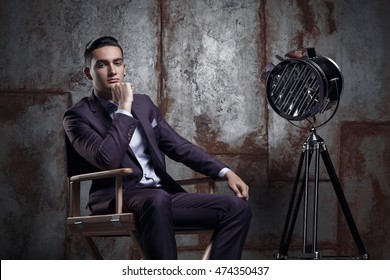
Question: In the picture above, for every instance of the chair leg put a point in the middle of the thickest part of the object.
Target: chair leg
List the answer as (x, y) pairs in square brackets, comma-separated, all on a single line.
[(137, 244), (92, 248), (207, 251)]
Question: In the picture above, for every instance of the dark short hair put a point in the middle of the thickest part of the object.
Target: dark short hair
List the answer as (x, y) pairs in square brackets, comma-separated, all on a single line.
[(99, 43)]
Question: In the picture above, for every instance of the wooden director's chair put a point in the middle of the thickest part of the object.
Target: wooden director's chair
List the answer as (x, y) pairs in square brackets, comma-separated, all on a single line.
[(119, 223)]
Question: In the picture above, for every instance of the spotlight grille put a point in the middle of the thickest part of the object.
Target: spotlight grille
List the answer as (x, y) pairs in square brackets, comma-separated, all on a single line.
[(299, 88)]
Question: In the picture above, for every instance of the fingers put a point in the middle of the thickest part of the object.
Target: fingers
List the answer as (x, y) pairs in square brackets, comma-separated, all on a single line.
[(122, 88), (122, 92), (243, 191), (237, 185)]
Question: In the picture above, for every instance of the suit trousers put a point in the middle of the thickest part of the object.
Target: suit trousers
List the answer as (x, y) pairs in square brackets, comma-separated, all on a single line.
[(160, 212)]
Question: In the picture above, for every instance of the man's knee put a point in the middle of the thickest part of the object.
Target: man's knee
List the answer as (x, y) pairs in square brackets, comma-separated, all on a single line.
[(157, 200), (242, 208)]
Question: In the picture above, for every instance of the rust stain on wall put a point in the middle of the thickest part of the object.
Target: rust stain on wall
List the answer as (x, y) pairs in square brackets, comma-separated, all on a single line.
[(250, 145), (329, 17), (353, 135), (22, 162), (262, 36), (206, 137), (365, 172), (33, 172), (159, 17), (164, 101), (284, 162), (8, 113), (307, 18)]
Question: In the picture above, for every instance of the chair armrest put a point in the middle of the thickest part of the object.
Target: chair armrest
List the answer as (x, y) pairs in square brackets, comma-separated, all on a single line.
[(74, 188), (101, 174)]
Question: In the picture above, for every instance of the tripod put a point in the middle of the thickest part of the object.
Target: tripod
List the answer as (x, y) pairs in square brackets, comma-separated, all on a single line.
[(314, 144)]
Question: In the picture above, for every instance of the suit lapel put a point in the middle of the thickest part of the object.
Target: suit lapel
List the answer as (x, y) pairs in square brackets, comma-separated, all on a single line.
[(100, 114), (157, 156), (150, 139)]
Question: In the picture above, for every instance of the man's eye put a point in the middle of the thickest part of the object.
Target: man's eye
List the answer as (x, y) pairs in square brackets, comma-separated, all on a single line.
[(100, 65), (118, 63)]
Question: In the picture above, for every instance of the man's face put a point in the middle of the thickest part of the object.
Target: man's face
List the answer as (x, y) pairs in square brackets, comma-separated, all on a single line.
[(107, 68)]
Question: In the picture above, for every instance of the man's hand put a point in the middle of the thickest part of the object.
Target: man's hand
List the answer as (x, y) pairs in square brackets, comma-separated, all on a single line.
[(237, 185), (122, 94)]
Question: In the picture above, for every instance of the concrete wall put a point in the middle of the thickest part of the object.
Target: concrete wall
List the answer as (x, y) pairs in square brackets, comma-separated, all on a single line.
[(200, 61)]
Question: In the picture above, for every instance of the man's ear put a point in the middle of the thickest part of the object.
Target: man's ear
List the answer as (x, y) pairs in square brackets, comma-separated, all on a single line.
[(87, 73)]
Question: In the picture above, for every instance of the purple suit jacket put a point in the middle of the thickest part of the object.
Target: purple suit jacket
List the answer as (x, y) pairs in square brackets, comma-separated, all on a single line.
[(97, 142)]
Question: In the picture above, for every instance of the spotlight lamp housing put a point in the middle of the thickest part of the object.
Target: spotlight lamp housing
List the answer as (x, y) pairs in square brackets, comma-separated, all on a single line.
[(303, 85)]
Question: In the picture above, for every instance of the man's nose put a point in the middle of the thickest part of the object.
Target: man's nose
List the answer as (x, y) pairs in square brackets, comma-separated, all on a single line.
[(112, 69)]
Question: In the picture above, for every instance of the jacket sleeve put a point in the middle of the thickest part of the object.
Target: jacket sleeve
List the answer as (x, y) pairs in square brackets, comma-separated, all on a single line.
[(102, 147)]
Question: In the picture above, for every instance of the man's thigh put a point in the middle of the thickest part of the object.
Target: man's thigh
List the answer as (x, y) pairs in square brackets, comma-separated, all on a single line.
[(199, 209)]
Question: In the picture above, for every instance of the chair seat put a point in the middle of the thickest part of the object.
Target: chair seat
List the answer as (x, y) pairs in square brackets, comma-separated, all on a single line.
[(103, 225), (116, 225)]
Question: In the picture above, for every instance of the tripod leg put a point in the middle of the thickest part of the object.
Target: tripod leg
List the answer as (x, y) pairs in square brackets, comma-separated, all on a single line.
[(306, 201), (311, 252), (316, 191), (285, 242), (343, 202), (295, 203)]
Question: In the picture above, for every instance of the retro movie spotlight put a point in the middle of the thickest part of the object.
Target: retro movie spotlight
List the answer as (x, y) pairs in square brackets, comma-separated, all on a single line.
[(301, 86)]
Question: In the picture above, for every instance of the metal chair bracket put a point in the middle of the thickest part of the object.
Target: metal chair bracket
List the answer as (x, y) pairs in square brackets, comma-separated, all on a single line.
[(116, 221), (79, 224)]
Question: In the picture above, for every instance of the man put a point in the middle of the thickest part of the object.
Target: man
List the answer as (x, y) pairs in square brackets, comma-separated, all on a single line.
[(136, 135)]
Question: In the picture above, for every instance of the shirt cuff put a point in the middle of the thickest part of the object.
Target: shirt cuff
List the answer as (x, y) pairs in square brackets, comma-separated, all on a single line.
[(222, 173)]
